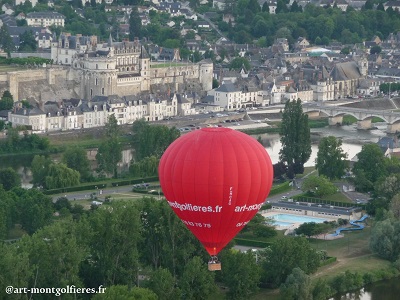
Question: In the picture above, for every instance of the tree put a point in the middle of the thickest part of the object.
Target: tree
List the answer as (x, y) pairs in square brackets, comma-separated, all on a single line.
[(287, 254), (297, 286), (40, 168), (56, 252), (110, 150), (295, 136), (369, 168), (330, 160), (6, 41), (6, 103), (375, 50), (75, 157), (108, 264), (395, 206), (321, 290), (238, 63), (60, 176), (27, 42), (241, 284), (135, 25), (9, 178), (14, 266), (151, 140), (196, 281), (126, 293), (318, 185), (388, 186), (385, 239), (163, 284), (34, 209)]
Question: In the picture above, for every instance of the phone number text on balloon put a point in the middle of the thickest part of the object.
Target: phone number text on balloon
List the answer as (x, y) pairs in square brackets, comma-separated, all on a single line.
[(195, 224)]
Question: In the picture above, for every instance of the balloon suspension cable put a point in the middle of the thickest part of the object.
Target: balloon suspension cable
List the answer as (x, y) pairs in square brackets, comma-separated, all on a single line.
[(214, 264)]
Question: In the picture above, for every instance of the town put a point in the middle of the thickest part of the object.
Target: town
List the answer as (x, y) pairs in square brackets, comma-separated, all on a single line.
[(126, 126)]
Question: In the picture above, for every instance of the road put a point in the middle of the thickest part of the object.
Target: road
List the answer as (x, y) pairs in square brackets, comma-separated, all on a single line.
[(82, 195), (211, 24)]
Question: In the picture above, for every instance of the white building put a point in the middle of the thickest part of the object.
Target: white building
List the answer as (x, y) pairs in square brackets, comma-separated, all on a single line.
[(45, 19), (33, 2)]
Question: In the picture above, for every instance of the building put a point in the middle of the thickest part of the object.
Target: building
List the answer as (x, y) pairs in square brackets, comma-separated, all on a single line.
[(123, 68), (45, 19), (33, 2), (231, 97), (317, 210)]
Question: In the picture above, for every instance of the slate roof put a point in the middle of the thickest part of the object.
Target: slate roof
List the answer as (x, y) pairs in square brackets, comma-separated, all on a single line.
[(346, 71), (324, 208), (227, 88), (29, 111)]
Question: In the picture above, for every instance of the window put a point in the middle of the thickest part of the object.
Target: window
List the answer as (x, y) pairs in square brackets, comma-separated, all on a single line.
[(97, 66), (102, 91), (91, 92), (96, 81)]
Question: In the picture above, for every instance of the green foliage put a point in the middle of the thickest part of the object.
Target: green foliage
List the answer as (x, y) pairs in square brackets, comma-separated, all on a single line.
[(241, 284), (33, 209), (287, 254), (197, 282), (163, 284), (297, 286), (318, 185), (6, 41), (239, 62), (148, 166), (40, 168), (55, 253), (14, 143), (321, 290), (32, 61), (385, 239), (259, 228), (9, 178), (60, 176), (135, 25), (75, 157), (6, 103), (124, 292), (369, 168), (312, 228), (117, 224), (331, 159), (295, 137), (27, 42), (110, 150), (347, 282), (152, 140)]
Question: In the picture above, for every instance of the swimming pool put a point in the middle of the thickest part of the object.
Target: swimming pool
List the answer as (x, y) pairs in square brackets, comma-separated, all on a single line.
[(288, 219)]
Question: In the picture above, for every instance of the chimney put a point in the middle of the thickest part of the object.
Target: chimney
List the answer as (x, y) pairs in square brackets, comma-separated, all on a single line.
[(24, 111)]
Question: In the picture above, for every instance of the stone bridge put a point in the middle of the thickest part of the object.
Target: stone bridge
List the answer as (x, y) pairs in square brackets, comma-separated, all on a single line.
[(364, 116)]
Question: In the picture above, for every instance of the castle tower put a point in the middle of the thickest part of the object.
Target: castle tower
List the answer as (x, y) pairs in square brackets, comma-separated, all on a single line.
[(206, 74)]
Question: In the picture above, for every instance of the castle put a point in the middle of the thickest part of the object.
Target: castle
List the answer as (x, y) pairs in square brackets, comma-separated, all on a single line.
[(124, 68)]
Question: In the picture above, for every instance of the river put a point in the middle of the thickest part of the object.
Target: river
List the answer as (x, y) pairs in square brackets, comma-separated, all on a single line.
[(382, 290), (352, 138)]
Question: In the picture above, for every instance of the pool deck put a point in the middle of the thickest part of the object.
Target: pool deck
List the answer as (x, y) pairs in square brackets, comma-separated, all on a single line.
[(291, 228)]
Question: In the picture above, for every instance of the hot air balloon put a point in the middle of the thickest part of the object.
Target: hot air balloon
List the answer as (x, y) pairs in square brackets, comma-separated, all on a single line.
[(215, 180)]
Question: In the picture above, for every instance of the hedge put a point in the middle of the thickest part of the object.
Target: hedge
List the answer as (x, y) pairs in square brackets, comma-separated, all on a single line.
[(134, 181), (251, 243), (279, 189), (75, 189), (329, 260), (322, 201), (93, 186)]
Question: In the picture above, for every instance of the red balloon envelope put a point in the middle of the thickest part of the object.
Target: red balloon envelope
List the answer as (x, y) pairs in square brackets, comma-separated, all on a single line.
[(215, 180)]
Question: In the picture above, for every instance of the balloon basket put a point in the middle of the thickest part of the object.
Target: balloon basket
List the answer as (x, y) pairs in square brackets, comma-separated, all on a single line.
[(214, 264)]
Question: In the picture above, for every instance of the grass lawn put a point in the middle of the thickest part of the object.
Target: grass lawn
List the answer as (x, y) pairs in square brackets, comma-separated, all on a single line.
[(352, 252), (9, 68), (172, 64), (307, 170), (337, 197)]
